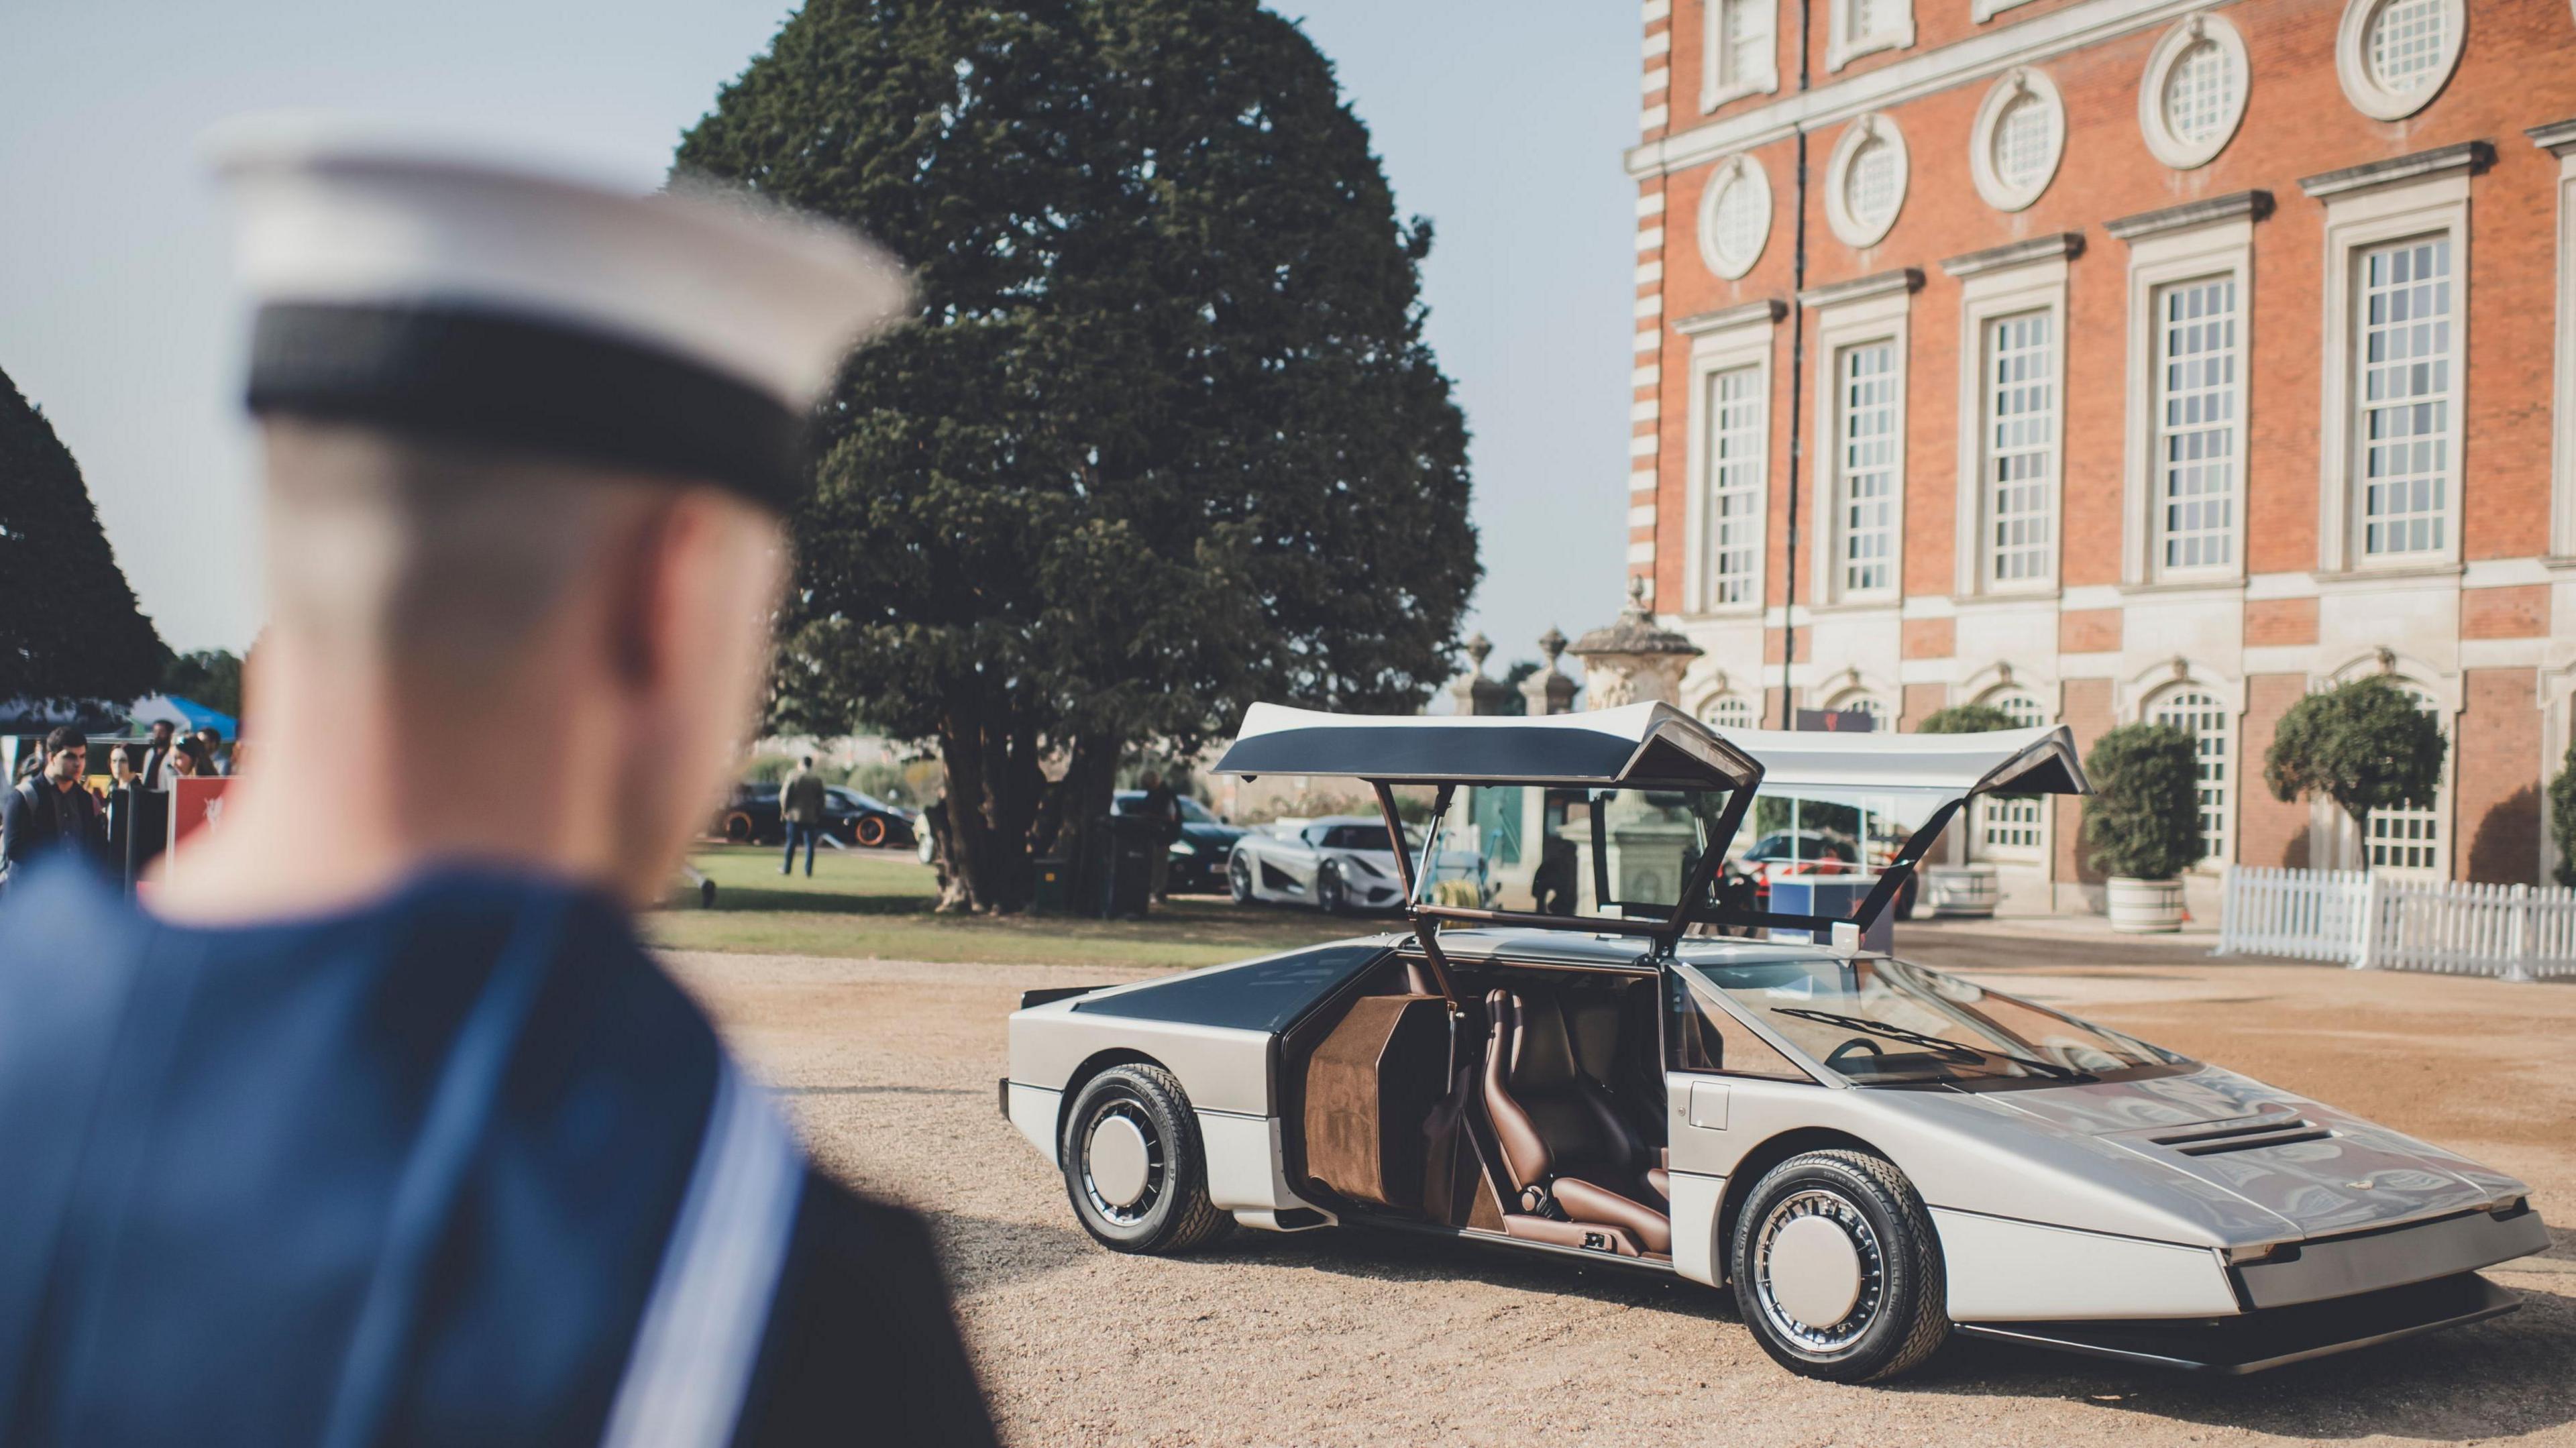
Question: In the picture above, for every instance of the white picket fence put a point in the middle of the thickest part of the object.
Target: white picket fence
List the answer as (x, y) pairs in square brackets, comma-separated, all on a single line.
[(2373, 921)]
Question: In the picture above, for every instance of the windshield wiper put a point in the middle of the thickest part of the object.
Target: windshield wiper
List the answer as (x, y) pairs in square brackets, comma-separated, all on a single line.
[(1949, 1049)]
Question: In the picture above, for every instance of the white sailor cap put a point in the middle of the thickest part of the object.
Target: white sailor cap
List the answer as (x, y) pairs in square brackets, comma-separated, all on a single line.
[(685, 334)]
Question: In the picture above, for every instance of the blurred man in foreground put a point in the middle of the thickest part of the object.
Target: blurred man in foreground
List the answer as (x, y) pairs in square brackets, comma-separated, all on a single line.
[(379, 1126)]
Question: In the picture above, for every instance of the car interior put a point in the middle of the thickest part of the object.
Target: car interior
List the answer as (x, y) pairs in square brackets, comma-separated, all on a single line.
[(1544, 1121)]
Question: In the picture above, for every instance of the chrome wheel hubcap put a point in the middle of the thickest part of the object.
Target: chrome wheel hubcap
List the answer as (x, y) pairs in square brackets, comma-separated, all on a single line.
[(1122, 1163), (1819, 1271)]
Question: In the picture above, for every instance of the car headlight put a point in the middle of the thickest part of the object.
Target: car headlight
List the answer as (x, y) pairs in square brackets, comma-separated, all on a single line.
[(1184, 850)]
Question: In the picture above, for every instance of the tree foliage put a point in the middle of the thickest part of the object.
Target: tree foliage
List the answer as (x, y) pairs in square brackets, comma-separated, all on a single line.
[(211, 677), (2562, 818), (1163, 438), (69, 627), (1966, 719), (2365, 744), (2143, 820)]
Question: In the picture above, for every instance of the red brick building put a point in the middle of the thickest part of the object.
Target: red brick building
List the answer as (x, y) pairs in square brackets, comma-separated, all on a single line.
[(2122, 359)]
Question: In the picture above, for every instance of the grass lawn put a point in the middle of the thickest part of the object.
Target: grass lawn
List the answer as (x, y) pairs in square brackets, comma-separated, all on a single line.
[(876, 903)]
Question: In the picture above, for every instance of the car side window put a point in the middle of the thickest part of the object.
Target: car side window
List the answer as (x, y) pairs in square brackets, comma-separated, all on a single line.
[(1702, 1036)]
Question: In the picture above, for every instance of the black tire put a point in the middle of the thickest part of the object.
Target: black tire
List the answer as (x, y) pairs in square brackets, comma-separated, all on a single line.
[(1173, 1214), (1897, 1317), (737, 828), (1330, 896), (1238, 879), (871, 831)]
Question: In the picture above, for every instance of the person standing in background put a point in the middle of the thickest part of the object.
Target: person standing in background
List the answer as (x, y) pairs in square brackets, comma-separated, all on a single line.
[(53, 811), (1163, 807), (156, 754), (800, 813), (211, 740)]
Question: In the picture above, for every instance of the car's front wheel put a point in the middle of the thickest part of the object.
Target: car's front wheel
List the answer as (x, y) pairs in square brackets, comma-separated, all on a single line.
[(1837, 1270), (1238, 879), (1330, 892), (1134, 1167)]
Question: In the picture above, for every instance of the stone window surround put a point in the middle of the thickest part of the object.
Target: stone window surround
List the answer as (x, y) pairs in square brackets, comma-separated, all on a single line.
[(1714, 91), (1741, 169), (1998, 282), (1721, 342), (2009, 87), (2178, 244), (1850, 230), (2367, 206), (1867, 309), (2559, 139), (2167, 147), (2352, 66), (1842, 47)]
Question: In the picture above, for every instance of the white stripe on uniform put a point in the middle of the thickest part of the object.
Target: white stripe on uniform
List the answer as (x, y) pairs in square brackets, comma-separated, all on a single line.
[(703, 1324)]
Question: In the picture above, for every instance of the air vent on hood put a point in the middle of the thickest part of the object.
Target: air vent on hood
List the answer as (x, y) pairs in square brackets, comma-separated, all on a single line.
[(2216, 1140)]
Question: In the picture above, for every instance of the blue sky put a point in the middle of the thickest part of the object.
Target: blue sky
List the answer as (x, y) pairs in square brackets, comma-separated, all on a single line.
[(1501, 120)]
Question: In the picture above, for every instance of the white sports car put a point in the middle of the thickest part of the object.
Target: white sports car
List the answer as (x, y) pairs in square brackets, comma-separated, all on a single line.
[(1871, 1155), (1337, 864)]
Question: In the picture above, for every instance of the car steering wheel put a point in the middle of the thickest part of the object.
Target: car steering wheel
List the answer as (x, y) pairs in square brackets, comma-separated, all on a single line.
[(1874, 1048)]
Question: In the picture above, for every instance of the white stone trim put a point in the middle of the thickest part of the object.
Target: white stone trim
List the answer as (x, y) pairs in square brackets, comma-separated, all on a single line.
[(1641, 515), (1739, 170), (1650, 203), (2356, 220), (1843, 46), (2221, 248), (1716, 88), (1982, 11), (1657, 10), (1642, 481), (2560, 141), (2368, 96), (1641, 552), (1643, 446), (1660, 78), (1650, 239), (2155, 125), (1649, 375), (2011, 86), (1650, 271), (1658, 43), (1880, 316), (2263, 587), (1649, 342), (2030, 42), (1646, 411), (1651, 305), (1852, 231), (2037, 287), (2504, 573), (1746, 343), (1653, 117)]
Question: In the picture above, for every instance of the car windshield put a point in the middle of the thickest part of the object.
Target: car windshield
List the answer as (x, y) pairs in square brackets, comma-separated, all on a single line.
[(1885, 1022), (852, 799), (1196, 813), (1355, 837)]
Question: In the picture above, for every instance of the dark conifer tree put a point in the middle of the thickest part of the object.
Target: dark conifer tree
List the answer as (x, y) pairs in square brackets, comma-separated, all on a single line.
[(69, 627), (1163, 438)]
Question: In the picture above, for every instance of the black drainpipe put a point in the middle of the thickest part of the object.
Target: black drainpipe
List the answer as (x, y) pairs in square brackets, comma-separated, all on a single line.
[(1797, 386)]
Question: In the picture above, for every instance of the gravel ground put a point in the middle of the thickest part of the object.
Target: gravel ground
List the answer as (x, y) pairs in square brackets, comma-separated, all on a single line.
[(1351, 1337)]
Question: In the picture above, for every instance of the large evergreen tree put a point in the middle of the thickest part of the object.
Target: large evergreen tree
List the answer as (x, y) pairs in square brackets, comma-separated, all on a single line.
[(1163, 438), (69, 628)]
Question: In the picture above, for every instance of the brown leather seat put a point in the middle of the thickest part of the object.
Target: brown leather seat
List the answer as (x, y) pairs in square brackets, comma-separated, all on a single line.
[(1563, 1140)]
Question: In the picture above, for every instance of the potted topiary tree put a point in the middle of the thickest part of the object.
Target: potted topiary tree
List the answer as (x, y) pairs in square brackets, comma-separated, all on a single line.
[(2562, 818), (2142, 825), (1970, 889), (2365, 745)]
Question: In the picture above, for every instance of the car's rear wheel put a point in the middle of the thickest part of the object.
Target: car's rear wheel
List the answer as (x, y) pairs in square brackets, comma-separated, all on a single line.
[(1330, 892), (1133, 1164), (1238, 879), (737, 828), (1837, 1270), (872, 830)]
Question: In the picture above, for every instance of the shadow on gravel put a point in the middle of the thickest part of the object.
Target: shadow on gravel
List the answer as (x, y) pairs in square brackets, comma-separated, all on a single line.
[(2497, 1379)]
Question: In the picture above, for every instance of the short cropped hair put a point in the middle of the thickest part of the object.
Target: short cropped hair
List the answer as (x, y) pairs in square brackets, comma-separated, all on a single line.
[(431, 553), (65, 737)]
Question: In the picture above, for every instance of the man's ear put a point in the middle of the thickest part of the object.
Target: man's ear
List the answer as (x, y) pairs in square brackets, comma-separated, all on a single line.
[(672, 580)]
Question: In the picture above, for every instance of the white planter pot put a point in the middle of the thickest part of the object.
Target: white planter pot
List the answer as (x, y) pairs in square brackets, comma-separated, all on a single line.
[(2145, 906), (1961, 890)]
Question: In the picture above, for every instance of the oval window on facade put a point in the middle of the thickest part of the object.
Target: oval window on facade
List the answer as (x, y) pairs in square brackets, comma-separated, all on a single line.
[(2018, 139), (1735, 217), (1865, 181), (2394, 56), (2192, 98)]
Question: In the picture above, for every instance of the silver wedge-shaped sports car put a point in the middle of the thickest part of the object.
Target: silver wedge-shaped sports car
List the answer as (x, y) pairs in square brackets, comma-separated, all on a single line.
[(1338, 864), (1872, 1155)]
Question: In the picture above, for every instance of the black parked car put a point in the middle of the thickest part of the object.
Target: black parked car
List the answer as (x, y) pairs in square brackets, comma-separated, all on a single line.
[(1198, 857), (751, 817)]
